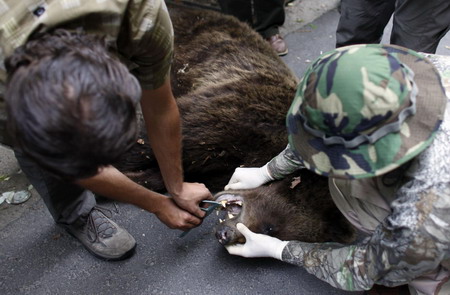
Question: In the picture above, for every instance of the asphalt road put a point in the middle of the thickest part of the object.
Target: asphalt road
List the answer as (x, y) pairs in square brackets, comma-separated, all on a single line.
[(38, 257)]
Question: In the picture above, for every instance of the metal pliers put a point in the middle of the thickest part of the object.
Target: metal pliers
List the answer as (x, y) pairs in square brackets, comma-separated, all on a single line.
[(212, 206)]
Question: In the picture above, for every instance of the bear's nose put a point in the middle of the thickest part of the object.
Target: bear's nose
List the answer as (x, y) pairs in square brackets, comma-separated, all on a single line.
[(224, 234)]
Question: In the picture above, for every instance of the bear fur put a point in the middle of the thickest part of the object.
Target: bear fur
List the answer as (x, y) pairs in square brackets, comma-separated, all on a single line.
[(233, 93)]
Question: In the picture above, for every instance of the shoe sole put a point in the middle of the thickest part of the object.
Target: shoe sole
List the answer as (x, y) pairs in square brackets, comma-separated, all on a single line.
[(123, 257), (283, 53)]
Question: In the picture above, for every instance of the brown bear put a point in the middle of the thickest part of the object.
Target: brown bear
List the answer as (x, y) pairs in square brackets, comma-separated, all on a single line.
[(233, 92)]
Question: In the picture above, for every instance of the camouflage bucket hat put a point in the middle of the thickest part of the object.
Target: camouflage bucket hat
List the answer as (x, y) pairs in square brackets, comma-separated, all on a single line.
[(364, 110)]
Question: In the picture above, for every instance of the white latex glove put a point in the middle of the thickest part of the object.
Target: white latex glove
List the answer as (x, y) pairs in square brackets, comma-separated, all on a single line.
[(246, 178), (257, 245)]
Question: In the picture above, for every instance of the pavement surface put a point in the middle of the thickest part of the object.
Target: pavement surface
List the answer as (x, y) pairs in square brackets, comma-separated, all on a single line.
[(38, 257)]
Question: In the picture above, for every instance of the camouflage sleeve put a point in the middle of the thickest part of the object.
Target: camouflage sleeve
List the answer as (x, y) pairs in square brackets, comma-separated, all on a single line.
[(283, 164), (413, 240)]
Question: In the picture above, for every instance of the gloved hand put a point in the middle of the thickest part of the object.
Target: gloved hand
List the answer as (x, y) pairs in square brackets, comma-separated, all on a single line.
[(246, 178), (257, 245)]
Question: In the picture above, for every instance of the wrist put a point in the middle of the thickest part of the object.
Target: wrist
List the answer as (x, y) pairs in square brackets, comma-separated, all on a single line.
[(175, 189), (278, 253), (153, 203), (266, 173)]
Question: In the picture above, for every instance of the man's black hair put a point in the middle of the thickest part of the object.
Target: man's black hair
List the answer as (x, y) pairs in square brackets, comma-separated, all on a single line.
[(71, 104)]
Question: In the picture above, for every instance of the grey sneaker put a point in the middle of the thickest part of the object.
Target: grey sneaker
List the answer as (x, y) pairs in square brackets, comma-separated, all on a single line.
[(103, 237)]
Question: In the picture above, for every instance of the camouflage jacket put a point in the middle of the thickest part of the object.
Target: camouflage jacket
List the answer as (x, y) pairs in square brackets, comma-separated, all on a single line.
[(413, 240)]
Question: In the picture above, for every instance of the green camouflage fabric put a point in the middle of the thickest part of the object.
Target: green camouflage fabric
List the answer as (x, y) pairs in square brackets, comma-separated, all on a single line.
[(413, 240), (140, 31), (356, 107), (284, 164)]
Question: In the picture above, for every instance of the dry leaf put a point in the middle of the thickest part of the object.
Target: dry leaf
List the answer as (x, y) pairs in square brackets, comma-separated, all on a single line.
[(295, 182)]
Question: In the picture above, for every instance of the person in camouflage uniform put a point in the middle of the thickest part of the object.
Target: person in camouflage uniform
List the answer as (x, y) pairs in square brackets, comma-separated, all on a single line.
[(375, 120), (73, 75)]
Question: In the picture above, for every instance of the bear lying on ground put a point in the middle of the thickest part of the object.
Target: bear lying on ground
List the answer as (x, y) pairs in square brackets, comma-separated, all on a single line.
[(233, 93)]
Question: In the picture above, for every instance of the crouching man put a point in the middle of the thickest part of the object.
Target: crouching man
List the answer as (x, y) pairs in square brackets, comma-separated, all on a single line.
[(375, 120), (75, 74)]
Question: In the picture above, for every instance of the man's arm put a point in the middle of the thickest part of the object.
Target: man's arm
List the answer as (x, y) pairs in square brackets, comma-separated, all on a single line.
[(111, 183), (413, 240), (162, 120)]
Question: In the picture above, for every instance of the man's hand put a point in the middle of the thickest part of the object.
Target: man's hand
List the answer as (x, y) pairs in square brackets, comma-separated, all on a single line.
[(247, 178), (190, 196), (110, 182), (174, 217), (257, 245)]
